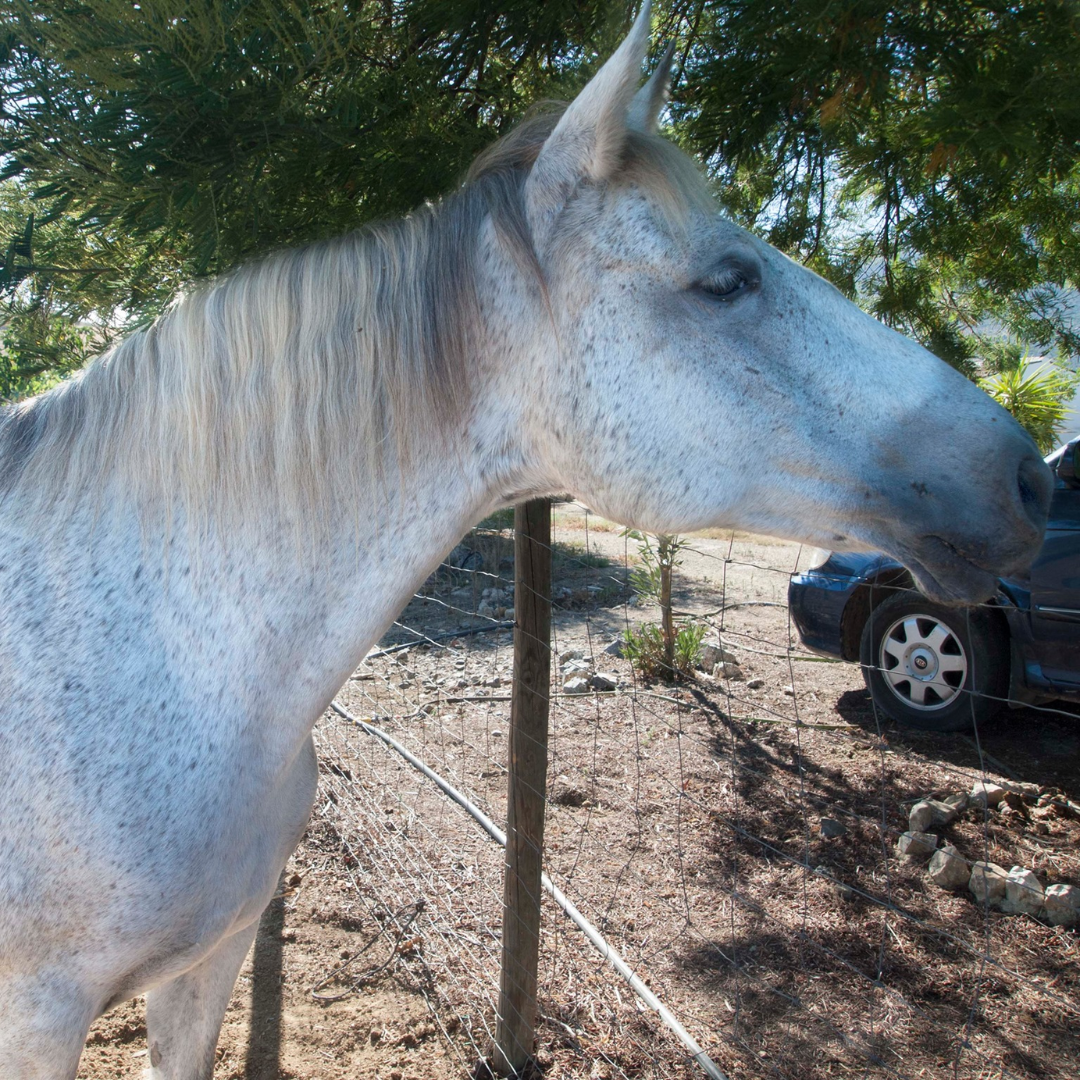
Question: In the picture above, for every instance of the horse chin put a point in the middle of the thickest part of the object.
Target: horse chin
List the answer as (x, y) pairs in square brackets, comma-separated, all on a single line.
[(944, 575)]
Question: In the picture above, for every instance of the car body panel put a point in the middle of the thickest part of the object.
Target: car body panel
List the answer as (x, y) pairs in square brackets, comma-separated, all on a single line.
[(817, 599)]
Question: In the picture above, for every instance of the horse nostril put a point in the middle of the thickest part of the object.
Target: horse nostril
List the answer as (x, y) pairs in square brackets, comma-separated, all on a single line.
[(1035, 483)]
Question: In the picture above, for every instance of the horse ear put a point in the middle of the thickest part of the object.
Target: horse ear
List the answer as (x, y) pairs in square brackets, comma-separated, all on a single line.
[(644, 113), (588, 139)]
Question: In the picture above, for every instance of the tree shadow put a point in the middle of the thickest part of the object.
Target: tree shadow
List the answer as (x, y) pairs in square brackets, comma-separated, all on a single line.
[(838, 954), (907, 1002), (1039, 745)]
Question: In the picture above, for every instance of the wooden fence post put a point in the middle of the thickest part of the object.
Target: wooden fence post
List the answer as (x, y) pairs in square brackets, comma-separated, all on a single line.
[(527, 787)]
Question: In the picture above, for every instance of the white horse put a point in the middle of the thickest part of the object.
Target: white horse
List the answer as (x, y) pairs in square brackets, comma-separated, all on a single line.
[(202, 535)]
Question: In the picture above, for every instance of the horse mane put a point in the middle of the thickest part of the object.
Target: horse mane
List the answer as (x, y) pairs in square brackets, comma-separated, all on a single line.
[(307, 372), (293, 377)]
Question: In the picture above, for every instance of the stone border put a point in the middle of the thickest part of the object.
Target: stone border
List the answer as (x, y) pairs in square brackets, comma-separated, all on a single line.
[(1017, 891)]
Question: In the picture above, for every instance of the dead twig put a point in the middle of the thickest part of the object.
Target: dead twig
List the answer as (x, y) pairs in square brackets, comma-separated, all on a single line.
[(366, 976)]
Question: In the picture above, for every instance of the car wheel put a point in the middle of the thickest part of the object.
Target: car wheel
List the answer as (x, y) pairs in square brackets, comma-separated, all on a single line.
[(933, 667)]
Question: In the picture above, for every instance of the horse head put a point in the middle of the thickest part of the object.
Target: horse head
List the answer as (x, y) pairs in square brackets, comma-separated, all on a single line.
[(691, 375)]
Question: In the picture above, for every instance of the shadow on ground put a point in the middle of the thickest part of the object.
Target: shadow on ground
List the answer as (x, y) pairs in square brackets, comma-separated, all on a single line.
[(1033, 745)]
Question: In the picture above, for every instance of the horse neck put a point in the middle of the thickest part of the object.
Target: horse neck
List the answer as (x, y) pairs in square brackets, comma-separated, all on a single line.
[(269, 600), (390, 535)]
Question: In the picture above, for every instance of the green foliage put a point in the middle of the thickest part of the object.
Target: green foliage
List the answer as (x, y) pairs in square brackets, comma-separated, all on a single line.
[(923, 157), (688, 646), (645, 648), (1036, 397), (31, 351), (59, 290), (158, 142), (658, 556), (666, 649)]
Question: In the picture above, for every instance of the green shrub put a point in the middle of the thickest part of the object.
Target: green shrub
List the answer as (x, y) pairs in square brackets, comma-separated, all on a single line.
[(688, 645), (1036, 397), (645, 649)]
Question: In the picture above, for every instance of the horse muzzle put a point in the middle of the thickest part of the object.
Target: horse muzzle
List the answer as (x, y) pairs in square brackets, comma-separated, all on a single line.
[(970, 542)]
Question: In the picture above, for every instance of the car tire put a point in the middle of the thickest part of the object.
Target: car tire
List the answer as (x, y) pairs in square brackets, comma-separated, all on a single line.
[(933, 667)]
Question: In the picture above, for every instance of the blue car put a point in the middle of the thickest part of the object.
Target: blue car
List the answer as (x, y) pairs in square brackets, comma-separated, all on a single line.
[(944, 668)]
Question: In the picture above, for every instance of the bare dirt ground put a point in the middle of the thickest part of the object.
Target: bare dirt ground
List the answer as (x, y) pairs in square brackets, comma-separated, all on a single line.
[(685, 822)]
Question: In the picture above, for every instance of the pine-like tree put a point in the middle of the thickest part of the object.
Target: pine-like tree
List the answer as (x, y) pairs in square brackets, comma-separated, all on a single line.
[(923, 156)]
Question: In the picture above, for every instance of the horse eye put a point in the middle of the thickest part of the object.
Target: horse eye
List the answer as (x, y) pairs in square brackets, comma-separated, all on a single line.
[(726, 283)]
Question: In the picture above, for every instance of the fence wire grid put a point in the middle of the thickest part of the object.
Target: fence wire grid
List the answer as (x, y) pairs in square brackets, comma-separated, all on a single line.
[(733, 835)]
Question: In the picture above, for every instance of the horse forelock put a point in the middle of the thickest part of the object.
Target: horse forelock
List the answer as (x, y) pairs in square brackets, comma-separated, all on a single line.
[(304, 373)]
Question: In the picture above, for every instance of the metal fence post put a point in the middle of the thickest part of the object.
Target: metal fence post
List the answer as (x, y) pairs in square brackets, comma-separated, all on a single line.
[(515, 1027)]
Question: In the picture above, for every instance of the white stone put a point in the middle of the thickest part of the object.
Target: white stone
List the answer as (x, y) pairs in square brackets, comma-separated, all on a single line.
[(987, 882), (1023, 893), (575, 667), (712, 655), (929, 812), (915, 845), (920, 817), (602, 680), (616, 648), (949, 869), (945, 813), (986, 794), (576, 685), (1062, 905)]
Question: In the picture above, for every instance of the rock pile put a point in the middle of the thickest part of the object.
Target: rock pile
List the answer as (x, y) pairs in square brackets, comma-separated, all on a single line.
[(1016, 891), (497, 603), (578, 675)]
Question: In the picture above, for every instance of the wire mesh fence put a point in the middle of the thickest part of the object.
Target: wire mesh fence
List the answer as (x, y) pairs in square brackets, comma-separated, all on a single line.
[(732, 834)]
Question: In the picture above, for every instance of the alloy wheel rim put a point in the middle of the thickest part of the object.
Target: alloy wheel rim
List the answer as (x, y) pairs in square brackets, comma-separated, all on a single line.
[(923, 662)]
